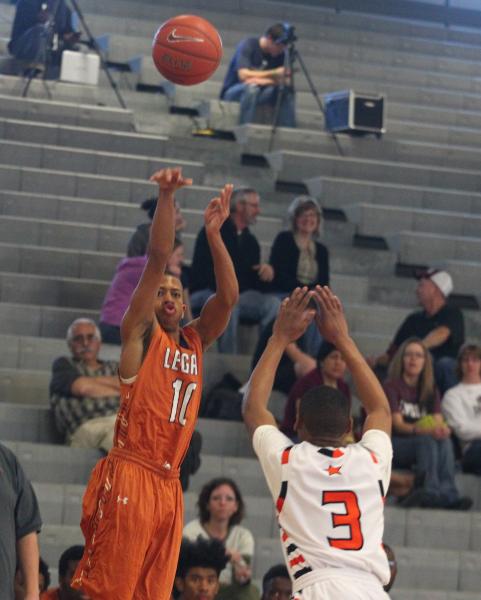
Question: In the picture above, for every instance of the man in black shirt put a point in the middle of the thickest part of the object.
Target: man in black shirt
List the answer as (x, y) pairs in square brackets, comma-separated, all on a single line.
[(19, 523), (255, 74), (254, 305), (439, 325)]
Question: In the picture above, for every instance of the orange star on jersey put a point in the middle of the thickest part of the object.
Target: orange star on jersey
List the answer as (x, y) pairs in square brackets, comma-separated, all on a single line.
[(334, 470)]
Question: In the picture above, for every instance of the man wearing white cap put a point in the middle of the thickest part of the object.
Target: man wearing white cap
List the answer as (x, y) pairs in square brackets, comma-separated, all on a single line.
[(438, 324)]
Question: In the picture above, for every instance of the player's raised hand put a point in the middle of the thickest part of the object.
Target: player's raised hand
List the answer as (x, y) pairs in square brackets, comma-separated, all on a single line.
[(170, 180), (218, 210), (330, 320), (294, 316)]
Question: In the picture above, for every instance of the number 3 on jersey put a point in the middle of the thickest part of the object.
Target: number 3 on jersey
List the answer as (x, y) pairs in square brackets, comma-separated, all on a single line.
[(187, 395), (350, 518)]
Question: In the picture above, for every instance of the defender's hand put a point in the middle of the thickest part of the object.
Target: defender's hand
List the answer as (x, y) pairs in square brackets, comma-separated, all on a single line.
[(330, 320), (218, 210), (294, 316), (170, 180)]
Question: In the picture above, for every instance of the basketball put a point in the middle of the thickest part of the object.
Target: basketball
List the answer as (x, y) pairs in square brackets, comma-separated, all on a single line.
[(187, 49)]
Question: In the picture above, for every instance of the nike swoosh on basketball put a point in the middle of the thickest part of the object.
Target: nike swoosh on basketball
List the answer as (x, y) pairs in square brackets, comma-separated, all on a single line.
[(173, 37)]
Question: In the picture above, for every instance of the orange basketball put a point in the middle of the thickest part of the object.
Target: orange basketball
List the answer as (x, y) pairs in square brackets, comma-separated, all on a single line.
[(187, 49)]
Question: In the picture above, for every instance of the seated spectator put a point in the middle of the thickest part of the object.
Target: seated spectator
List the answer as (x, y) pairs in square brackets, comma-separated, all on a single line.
[(66, 568), (221, 510), (200, 563), (298, 258), (84, 390), (330, 370), (255, 74), (139, 241), (420, 438), (276, 584), (28, 40), (439, 325), (43, 580), (20, 523), (462, 407), (126, 278), (254, 304)]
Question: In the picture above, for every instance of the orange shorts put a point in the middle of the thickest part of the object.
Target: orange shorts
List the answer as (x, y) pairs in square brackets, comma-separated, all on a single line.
[(132, 522)]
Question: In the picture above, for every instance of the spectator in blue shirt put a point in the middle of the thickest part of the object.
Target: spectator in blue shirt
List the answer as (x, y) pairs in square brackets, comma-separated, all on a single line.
[(255, 75)]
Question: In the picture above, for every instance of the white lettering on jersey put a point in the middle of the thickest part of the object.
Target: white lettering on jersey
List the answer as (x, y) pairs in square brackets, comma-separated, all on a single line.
[(181, 361)]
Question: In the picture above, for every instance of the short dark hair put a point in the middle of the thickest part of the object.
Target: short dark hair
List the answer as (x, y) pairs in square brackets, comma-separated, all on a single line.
[(71, 554), (275, 571), (149, 205), (44, 570), (325, 349), (206, 492), (325, 411), (276, 32), (464, 352), (205, 553)]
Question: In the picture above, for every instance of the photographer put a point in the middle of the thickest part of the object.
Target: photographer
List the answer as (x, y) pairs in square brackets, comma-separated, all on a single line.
[(257, 72), (32, 28)]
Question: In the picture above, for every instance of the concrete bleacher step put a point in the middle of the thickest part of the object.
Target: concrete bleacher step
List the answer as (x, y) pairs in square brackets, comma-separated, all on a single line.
[(417, 248), (294, 167), (91, 161), (378, 220), (338, 192), (68, 113), (412, 594)]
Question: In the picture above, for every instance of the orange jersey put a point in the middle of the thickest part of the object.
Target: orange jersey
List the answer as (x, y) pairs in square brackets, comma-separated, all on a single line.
[(160, 405)]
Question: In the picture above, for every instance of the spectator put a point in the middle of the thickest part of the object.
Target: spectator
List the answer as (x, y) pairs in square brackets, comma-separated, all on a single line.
[(28, 40), (412, 395), (329, 371), (200, 563), (19, 524), (221, 510), (439, 325), (298, 258), (462, 407), (139, 241), (243, 247), (255, 75), (66, 568), (126, 278), (84, 390), (43, 580), (276, 584)]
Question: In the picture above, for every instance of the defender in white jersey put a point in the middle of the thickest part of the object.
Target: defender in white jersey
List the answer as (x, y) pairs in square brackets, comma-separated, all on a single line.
[(329, 497)]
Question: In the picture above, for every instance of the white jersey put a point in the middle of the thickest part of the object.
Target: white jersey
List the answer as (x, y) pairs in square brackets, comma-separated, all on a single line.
[(330, 505)]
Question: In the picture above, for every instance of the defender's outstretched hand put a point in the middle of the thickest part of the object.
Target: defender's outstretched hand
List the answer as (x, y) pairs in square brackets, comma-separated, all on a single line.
[(294, 316), (218, 210), (170, 180), (331, 320)]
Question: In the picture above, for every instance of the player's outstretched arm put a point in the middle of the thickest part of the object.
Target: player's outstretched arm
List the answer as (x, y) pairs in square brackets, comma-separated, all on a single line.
[(140, 313), (333, 327), (216, 312), (292, 321)]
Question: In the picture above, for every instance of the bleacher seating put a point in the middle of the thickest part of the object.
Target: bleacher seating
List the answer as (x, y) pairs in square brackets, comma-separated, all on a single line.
[(74, 170)]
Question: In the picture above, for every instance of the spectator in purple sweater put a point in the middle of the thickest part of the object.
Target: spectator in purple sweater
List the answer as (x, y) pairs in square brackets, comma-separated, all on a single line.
[(330, 370), (126, 278)]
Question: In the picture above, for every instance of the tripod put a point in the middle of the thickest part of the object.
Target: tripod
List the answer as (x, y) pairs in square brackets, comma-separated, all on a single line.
[(290, 56)]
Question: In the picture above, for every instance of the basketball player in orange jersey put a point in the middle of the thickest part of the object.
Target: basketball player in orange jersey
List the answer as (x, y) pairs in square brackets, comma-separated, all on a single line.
[(329, 497), (132, 509)]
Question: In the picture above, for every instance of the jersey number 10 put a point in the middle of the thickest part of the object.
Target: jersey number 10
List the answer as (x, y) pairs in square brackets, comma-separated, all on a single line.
[(186, 396)]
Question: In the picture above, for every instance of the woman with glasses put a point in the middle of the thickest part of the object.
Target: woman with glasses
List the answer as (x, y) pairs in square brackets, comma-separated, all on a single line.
[(420, 437), (221, 510)]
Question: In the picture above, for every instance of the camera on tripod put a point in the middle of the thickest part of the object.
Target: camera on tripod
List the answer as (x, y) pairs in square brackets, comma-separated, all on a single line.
[(288, 36)]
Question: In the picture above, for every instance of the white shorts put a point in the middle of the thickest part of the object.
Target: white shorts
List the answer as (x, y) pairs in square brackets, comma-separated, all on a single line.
[(342, 589)]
